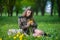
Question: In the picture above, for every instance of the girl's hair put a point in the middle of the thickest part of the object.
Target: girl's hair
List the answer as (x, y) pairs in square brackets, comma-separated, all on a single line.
[(25, 13)]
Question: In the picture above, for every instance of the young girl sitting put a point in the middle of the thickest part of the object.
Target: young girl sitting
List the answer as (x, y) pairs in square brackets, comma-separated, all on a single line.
[(26, 22)]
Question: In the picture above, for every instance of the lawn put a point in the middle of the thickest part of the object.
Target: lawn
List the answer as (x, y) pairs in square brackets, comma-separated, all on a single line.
[(50, 25)]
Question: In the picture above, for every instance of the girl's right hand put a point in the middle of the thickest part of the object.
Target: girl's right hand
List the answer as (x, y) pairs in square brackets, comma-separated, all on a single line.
[(30, 22), (27, 25)]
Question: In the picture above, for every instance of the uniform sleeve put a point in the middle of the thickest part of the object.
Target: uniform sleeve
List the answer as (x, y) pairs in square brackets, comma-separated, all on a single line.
[(20, 24), (34, 24)]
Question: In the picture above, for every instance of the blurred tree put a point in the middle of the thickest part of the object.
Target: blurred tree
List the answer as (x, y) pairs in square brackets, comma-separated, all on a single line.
[(52, 6), (36, 7), (55, 8), (27, 3), (42, 6), (35, 4), (1, 7), (10, 4), (5, 4), (58, 6), (18, 6)]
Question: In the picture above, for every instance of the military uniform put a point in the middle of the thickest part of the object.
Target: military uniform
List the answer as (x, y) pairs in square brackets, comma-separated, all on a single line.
[(22, 22)]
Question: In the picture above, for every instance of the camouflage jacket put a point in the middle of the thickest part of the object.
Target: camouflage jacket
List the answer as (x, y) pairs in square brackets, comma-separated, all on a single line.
[(22, 22)]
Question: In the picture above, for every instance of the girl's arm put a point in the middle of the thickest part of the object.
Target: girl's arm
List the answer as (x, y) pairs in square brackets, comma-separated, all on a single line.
[(23, 26), (34, 24)]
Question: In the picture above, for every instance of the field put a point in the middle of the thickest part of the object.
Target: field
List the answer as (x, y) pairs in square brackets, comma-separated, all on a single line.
[(49, 24)]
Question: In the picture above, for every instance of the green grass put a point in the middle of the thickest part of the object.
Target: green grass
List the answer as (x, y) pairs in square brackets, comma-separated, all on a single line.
[(50, 25)]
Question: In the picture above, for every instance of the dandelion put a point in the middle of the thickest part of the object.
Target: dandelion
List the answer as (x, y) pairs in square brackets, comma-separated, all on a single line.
[(0, 38), (14, 37), (21, 36), (17, 35), (31, 21)]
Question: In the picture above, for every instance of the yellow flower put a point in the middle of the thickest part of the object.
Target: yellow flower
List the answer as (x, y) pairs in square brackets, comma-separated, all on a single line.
[(31, 21), (17, 35), (14, 37), (0, 38), (21, 36)]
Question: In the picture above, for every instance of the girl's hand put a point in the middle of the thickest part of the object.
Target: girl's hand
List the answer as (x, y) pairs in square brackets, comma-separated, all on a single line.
[(31, 22), (28, 24)]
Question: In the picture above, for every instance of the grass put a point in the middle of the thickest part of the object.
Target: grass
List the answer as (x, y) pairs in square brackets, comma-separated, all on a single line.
[(50, 25)]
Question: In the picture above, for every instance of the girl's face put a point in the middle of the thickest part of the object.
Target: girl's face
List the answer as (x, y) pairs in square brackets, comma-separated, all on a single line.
[(28, 13)]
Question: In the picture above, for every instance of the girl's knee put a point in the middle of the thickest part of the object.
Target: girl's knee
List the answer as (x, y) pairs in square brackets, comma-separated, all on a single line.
[(39, 31)]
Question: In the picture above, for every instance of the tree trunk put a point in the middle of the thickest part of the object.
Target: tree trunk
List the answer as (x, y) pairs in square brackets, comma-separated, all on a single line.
[(10, 7), (58, 6), (36, 11), (17, 12), (0, 14), (42, 11), (52, 5), (42, 6), (59, 10), (10, 11), (52, 9), (9, 14), (1, 9)]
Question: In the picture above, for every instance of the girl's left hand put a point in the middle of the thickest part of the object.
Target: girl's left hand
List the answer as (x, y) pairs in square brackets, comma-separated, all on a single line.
[(31, 22)]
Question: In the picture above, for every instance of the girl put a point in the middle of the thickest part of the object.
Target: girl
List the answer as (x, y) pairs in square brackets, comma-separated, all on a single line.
[(26, 21)]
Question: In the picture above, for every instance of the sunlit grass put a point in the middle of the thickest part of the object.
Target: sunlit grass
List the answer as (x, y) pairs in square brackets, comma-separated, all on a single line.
[(50, 25)]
